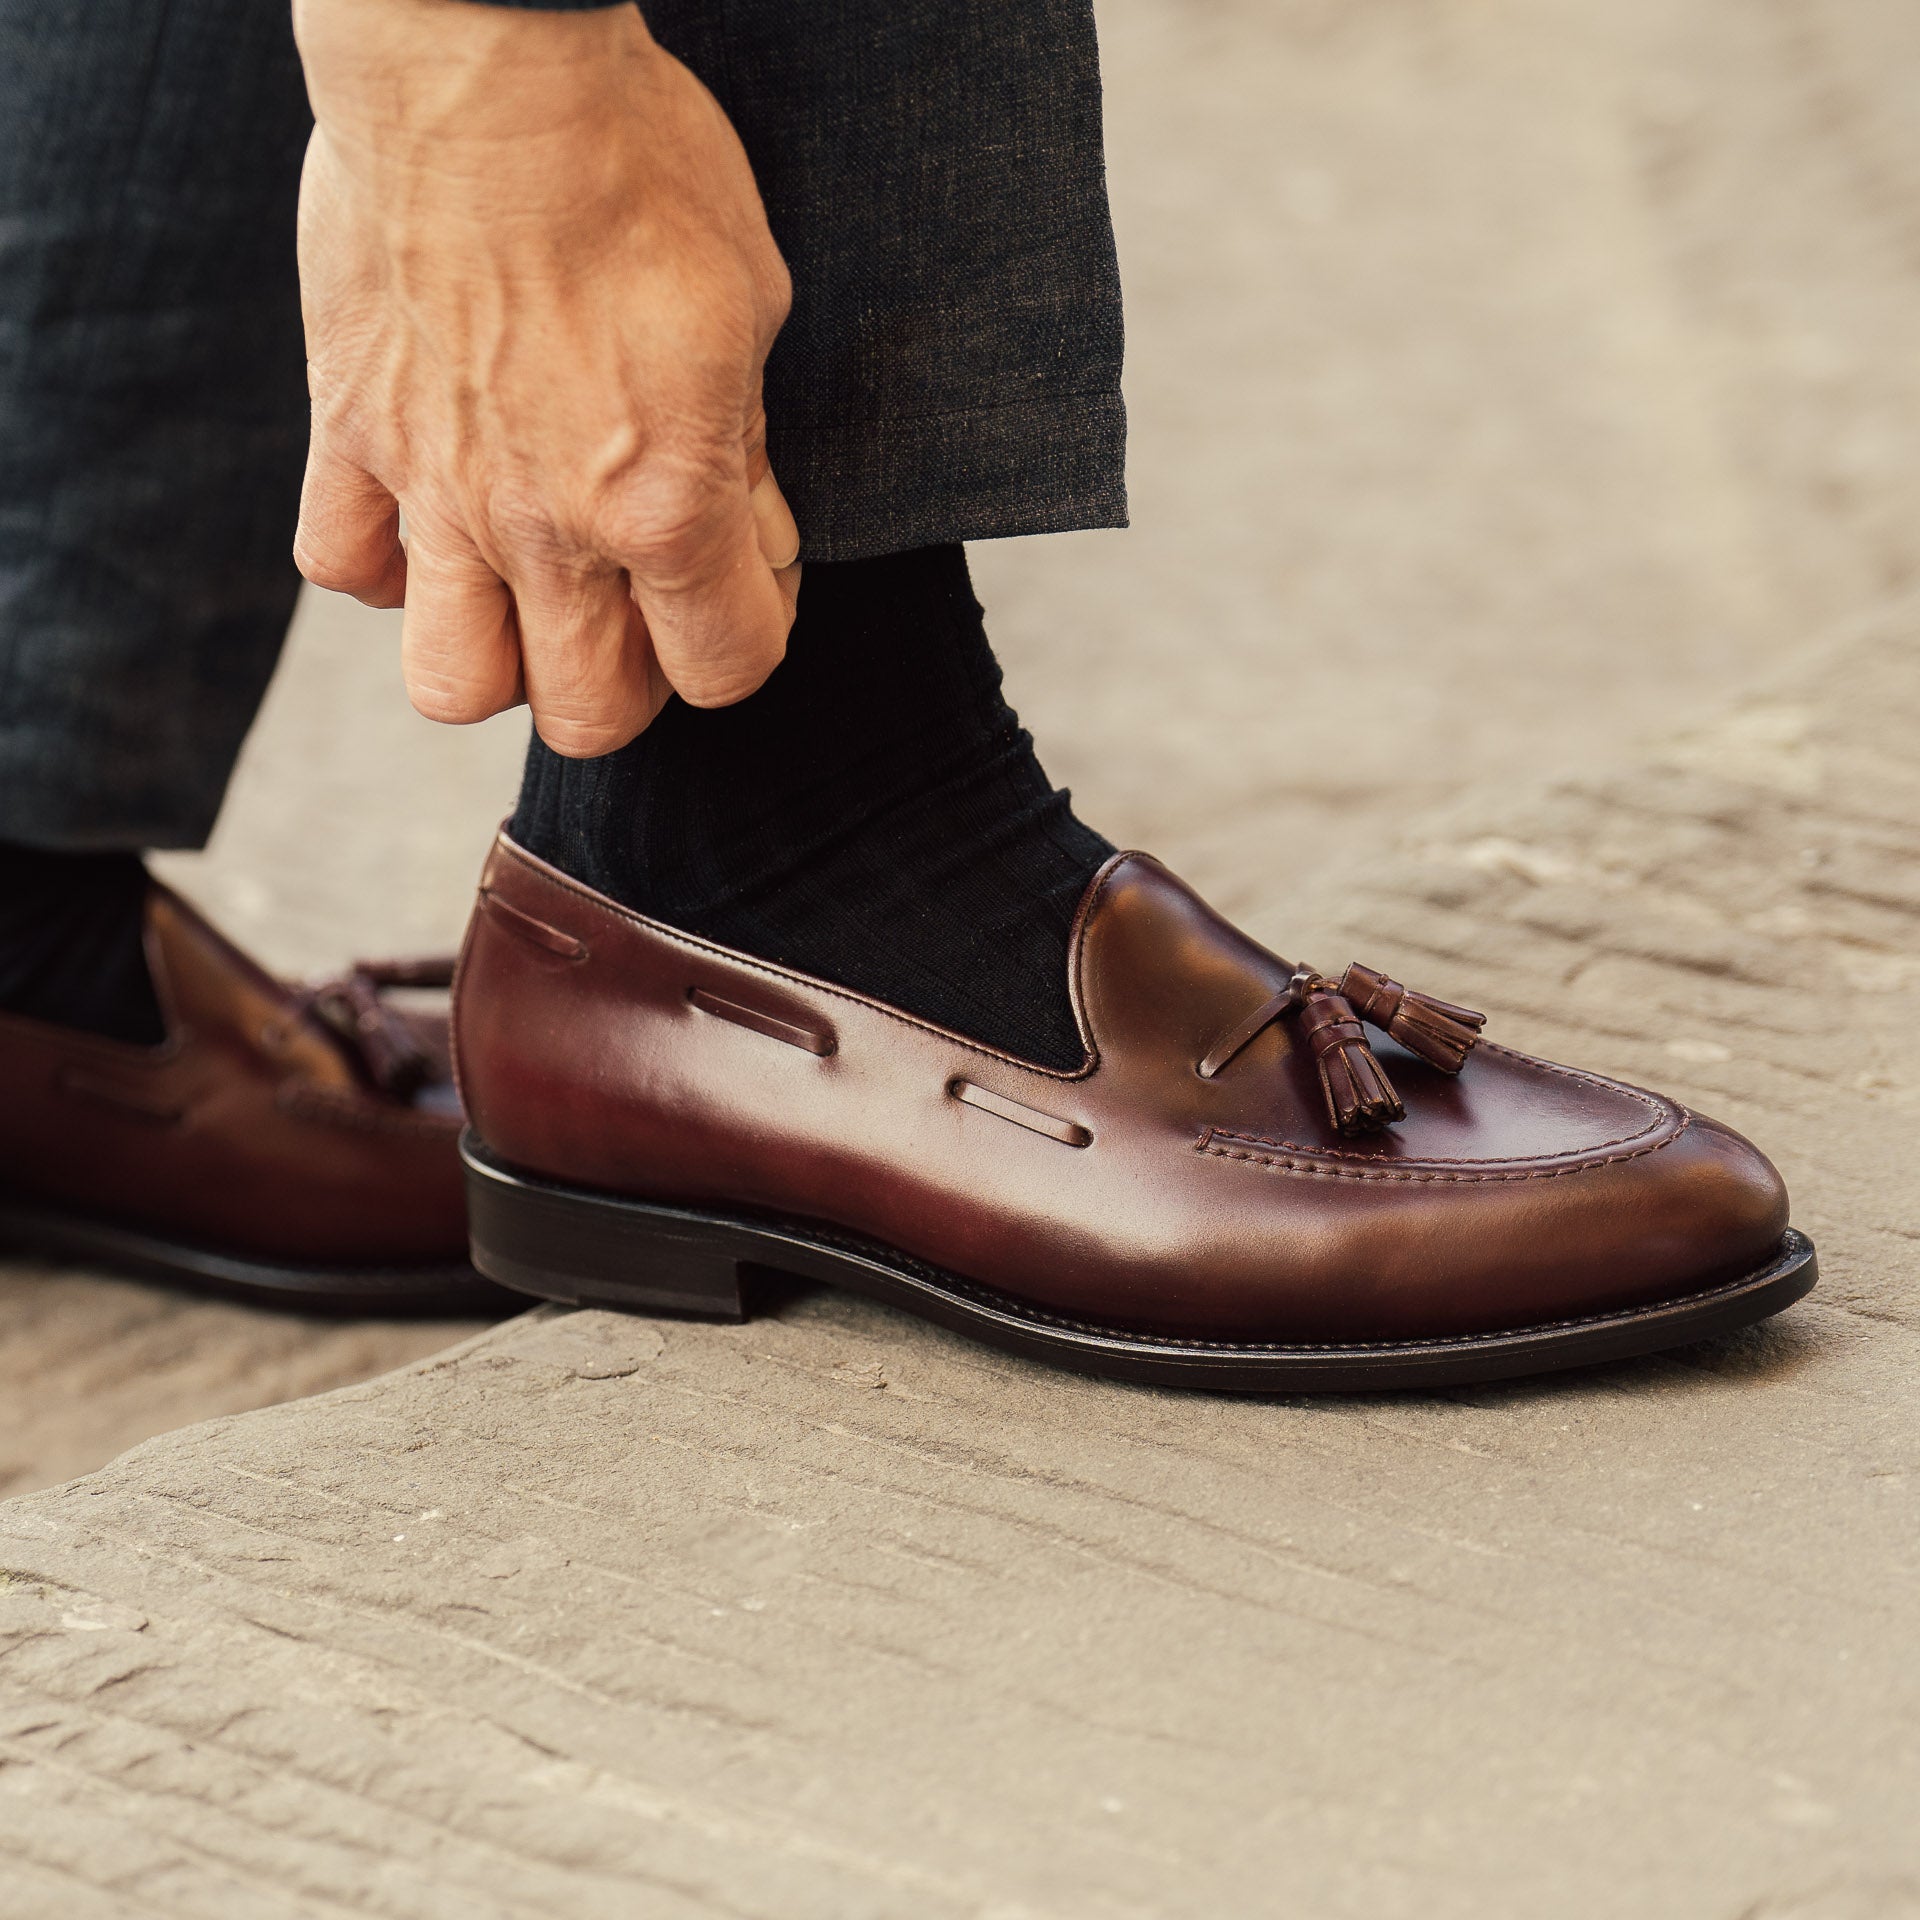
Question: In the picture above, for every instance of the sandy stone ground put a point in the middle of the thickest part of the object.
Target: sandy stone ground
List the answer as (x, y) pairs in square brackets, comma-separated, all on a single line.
[(833, 1614), (1526, 478)]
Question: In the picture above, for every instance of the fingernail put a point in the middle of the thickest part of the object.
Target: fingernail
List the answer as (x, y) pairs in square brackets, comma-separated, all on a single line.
[(773, 521)]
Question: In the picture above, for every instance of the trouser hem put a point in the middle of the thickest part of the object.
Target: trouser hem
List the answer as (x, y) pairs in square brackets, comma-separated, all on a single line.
[(889, 485)]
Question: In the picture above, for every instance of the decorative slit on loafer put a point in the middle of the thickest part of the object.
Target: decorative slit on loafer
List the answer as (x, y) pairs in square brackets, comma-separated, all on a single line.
[(1068, 1132), (807, 1039)]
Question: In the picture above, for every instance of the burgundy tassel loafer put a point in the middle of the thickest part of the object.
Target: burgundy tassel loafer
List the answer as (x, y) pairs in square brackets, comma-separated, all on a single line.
[(1260, 1179), (298, 1146)]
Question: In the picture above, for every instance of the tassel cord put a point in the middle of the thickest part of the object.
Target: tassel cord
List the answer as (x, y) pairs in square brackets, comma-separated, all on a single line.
[(1359, 1096)]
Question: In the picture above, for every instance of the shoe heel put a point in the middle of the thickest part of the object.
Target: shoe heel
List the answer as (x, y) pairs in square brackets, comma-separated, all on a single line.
[(593, 1250)]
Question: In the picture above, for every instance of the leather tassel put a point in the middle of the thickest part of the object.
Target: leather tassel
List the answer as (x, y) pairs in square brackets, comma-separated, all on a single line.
[(383, 1044), (1360, 1098), (1441, 1034)]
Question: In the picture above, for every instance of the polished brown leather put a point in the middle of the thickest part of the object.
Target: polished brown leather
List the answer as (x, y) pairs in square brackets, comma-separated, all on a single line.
[(254, 1129), (604, 1050)]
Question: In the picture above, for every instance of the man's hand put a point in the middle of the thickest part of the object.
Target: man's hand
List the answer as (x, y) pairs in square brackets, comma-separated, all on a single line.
[(539, 292)]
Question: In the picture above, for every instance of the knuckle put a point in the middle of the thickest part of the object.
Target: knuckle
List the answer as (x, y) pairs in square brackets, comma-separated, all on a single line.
[(327, 568), (675, 528), (674, 556), (448, 708), (726, 682), (583, 739), (519, 517), (720, 691), (450, 701)]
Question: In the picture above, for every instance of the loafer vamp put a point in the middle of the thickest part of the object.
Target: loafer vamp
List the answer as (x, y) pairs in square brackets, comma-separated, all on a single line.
[(604, 1050)]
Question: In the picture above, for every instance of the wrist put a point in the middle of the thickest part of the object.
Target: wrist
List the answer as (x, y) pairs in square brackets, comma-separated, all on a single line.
[(449, 87)]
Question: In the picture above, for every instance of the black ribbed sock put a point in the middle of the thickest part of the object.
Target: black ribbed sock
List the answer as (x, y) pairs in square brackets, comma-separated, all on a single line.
[(71, 947), (874, 814)]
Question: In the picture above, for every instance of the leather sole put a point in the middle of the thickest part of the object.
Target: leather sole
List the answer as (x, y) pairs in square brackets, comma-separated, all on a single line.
[(449, 1290), (598, 1250)]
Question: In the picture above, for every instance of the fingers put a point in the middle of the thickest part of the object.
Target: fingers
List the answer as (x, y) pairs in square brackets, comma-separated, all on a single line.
[(712, 600), (348, 540), (592, 677), (596, 647), (459, 641)]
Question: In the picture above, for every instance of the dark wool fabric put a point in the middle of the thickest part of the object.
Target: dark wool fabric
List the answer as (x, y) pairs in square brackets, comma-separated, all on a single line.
[(874, 814), (72, 927), (153, 418), (950, 371)]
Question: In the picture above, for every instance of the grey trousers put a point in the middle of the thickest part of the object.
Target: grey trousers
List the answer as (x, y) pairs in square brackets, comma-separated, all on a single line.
[(934, 176)]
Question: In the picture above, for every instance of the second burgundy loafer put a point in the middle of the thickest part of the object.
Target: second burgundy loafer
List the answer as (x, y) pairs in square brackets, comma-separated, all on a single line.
[(292, 1146), (1260, 1179)]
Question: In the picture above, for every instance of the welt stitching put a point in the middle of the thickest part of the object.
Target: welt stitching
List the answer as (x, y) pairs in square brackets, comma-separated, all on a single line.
[(1438, 1159), (611, 909), (1281, 1163)]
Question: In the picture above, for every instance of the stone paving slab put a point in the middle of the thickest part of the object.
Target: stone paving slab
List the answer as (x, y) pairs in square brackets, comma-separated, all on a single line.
[(91, 1365), (834, 1614)]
